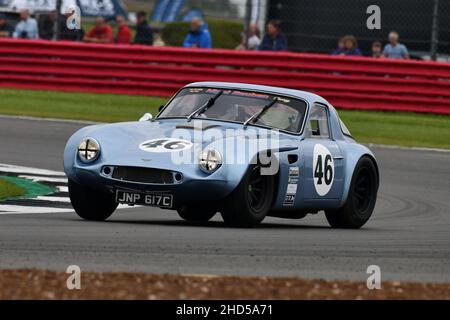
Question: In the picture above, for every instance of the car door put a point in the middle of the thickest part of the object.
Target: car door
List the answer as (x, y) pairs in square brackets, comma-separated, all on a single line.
[(323, 160)]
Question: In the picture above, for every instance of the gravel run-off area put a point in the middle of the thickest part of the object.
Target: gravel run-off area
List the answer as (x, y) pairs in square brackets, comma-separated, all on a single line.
[(42, 284)]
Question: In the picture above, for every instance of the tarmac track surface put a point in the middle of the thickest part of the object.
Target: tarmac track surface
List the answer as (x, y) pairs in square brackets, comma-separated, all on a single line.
[(408, 235)]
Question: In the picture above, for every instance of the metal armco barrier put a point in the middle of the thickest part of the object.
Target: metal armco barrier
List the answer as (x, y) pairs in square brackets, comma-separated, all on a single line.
[(347, 82)]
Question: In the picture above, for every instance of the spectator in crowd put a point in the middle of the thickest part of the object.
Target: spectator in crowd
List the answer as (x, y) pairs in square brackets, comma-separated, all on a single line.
[(27, 28), (123, 31), (274, 40), (243, 44), (377, 49), (67, 34), (6, 30), (198, 36), (144, 34), (350, 46), (394, 49), (100, 33), (158, 40), (340, 47), (47, 26), (254, 39)]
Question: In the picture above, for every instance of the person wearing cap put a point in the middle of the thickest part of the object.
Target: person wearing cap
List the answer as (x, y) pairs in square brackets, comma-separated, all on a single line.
[(394, 49), (198, 36), (27, 28), (6, 30), (144, 33)]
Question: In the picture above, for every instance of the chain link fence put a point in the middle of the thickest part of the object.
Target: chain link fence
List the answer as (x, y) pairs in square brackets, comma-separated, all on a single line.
[(316, 25)]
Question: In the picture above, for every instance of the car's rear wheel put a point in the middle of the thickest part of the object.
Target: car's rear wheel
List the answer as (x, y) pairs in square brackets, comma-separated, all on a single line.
[(250, 202), (90, 204), (361, 198), (196, 214)]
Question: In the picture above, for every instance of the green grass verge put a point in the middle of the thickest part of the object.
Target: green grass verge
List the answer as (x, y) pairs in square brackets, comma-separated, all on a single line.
[(18, 188), (397, 128), (10, 190), (79, 106)]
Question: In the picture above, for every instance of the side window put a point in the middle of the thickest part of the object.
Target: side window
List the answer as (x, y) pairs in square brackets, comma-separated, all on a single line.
[(317, 126), (344, 128)]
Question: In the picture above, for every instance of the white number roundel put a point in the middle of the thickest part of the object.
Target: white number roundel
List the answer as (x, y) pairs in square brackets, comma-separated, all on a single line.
[(323, 169), (165, 145)]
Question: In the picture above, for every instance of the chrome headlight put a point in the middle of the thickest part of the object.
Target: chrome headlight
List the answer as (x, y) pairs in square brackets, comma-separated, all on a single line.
[(210, 160), (88, 150)]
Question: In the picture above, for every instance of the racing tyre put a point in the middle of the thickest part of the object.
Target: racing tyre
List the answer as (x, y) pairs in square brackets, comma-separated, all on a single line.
[(250, 202), (361, 198), (196, 214), (90, 204)]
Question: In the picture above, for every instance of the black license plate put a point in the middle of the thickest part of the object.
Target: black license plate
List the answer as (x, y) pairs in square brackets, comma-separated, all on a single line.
[(153, 199)]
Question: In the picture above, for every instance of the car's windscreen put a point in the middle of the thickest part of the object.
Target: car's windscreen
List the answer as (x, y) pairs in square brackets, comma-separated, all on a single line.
[(238, 106)]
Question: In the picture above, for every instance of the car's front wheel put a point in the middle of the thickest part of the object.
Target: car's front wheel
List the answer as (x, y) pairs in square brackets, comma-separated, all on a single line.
[(361, 198), (90, 204), (250, 202), (196, 214)]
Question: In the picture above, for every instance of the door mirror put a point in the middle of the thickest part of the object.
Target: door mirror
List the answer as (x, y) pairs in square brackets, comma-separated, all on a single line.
[(146, 117)]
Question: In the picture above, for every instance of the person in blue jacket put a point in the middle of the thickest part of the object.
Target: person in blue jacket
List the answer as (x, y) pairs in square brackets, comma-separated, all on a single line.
[(198, 36), (274, 39)]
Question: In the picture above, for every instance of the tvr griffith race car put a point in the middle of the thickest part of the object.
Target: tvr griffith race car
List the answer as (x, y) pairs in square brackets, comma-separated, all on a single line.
[(246, 151)]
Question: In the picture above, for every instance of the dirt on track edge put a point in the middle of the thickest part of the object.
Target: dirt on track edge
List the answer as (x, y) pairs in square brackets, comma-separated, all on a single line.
[(44, 284)]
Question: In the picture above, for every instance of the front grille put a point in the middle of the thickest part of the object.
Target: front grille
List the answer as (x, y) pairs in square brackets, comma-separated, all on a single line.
[(143, 175)]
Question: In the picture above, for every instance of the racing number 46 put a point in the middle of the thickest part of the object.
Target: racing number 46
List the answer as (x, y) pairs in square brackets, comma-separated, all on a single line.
[(166, 143), (324, 170)]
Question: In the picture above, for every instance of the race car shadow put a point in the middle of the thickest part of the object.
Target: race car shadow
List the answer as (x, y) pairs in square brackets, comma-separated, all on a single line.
[(215, 224)]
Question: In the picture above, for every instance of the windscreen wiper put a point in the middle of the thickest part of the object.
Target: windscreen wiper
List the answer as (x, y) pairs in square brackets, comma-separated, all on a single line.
[(254, 117), (205, 106)]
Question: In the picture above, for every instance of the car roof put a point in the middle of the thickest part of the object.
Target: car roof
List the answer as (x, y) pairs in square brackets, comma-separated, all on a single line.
[(310, 97)]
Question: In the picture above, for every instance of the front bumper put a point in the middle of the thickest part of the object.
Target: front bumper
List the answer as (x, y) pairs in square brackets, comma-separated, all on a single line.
[(188, 190)]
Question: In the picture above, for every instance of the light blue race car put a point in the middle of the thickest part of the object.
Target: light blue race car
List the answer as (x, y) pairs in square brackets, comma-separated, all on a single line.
[(246, 151)]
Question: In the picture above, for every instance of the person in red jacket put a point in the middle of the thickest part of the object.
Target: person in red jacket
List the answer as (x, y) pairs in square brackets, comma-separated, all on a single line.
[(123, 35), (100, 33)]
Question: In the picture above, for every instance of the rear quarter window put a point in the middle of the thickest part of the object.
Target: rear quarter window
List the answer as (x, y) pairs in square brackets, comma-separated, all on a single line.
[(345, 129)]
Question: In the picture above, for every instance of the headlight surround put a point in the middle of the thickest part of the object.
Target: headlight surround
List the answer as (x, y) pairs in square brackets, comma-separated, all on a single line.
[(210, 160), (88, 150)]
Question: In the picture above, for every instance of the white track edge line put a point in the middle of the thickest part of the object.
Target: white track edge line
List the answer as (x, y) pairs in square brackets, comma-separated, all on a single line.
[(5, 116)]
